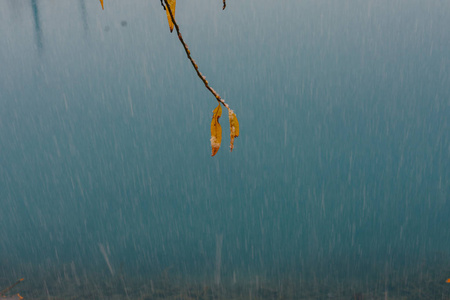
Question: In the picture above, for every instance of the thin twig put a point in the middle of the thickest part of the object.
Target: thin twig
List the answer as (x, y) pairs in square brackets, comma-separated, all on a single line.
[(188, 53), (4, 291)]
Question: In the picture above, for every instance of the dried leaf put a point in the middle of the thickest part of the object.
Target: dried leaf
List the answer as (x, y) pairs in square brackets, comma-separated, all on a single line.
[(216, 130), (234, 127), (172, 4), (101, 1)]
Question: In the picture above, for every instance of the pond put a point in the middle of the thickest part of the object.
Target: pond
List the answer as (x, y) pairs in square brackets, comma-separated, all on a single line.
[(338, 185)]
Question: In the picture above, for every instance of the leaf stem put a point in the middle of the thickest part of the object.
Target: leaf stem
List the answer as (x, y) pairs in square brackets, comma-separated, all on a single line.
[(188, 53)]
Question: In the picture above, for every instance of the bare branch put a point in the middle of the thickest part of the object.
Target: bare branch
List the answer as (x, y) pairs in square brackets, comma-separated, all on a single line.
[(188, 53), (4, 291)]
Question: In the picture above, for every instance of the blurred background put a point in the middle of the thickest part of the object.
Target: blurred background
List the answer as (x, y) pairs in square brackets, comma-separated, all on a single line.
[(342, 169)]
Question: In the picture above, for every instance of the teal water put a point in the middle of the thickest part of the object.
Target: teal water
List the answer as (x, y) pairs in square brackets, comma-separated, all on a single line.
[(342, 168)]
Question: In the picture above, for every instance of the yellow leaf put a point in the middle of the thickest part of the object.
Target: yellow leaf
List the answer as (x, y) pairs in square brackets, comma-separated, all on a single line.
[(172, 4), (234, 127), (216, 130), (101, 1)]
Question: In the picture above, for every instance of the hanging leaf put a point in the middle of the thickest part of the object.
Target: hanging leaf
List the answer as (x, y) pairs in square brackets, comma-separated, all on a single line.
[(234, 127), (172, 4), (216, 130), (101, 1)]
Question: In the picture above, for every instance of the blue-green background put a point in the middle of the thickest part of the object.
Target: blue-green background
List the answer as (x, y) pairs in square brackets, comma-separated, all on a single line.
[(342, 166)]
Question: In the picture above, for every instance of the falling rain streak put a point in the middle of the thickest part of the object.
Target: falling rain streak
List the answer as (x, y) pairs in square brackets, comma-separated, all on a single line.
[(337, 188)]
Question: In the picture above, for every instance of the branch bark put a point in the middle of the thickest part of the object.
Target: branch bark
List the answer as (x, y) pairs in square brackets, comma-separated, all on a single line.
[(194, 64)]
